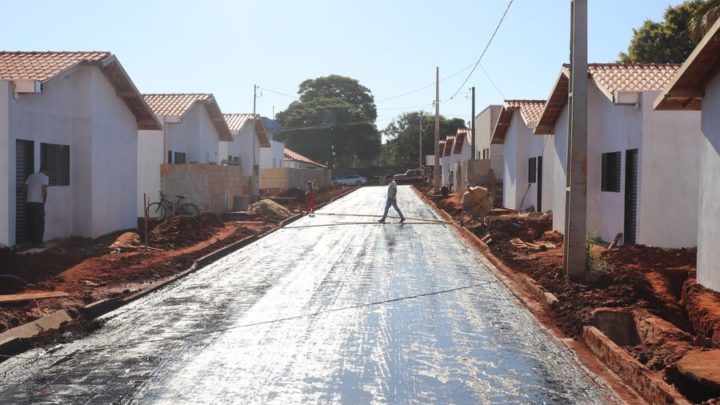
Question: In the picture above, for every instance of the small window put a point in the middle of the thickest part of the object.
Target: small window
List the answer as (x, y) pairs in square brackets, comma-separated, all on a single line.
[(56, 158), (170, 154), (532, 170), (180, 157), (610, 172)]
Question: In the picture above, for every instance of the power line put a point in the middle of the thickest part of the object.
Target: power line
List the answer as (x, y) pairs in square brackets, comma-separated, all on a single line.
[(492, 82), (484, 50), (426, 86), (277, 92)]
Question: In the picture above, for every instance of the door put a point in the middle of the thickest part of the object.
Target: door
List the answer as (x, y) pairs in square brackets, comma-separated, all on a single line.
[(539, 183), (631, 194), (24, 166)]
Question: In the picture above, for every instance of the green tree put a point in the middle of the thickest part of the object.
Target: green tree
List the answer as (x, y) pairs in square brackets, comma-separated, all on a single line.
[(668, 41), (401, 148), (332, 122), (703, 18)]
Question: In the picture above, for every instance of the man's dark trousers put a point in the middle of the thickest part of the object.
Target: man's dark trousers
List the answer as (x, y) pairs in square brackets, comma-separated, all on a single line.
[(37, 222)]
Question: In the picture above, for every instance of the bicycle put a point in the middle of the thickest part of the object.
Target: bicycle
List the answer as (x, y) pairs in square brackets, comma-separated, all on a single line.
[(165, 208)]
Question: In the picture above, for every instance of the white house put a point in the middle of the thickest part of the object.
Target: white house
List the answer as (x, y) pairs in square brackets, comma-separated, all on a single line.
[(448, 161), (484, 125), (527, 170), (249, 136), (78, 113), (642, 178), (696, 86), (193, 128)]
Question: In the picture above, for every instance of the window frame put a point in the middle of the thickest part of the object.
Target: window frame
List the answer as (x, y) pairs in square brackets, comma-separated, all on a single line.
[(532, 170), (611, 172), (56, 158)]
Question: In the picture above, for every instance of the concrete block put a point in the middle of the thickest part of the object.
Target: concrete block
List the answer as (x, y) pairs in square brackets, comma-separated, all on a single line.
[(50, 322), (102, 307)]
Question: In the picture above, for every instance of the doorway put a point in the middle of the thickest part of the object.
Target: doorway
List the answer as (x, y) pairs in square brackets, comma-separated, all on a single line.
[(539, 183), (631, 195), (24, 166)]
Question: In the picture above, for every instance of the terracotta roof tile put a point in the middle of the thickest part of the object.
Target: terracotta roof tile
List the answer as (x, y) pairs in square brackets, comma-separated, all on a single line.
[(236, 121), (530, 112), (449, 143), (460, 141), (173, 104), (292, 155), (42, 66), (610, 79), (178, 104)]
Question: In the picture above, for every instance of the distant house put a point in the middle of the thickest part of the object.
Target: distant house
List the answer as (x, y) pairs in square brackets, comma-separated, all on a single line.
[(484, 125), (295, 160), (696, 86), (249, 136), (184, 158), (448, 161), (527, 164), (78, 113), (642, 178)]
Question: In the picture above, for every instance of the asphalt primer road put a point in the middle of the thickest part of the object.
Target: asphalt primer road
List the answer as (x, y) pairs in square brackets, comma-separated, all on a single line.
[(320, 312)]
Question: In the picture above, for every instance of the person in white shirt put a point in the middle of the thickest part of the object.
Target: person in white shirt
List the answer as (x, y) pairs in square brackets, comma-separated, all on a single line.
[(391, 200), (36, 186)]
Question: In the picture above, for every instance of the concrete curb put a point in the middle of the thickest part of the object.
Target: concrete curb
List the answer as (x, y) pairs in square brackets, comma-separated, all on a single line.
[(15, 340), (639, 377)]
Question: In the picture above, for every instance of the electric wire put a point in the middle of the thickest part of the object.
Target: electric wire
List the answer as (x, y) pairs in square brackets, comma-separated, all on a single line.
[(484, 50)]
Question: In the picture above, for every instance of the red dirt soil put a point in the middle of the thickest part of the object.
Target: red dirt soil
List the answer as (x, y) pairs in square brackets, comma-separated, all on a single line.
[(659, 281)]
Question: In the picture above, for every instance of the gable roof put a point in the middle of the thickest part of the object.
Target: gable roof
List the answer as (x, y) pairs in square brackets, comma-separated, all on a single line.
[(236, 121), (42, 67), (292, 155), (611, 79), (460, 137), (177, 104), (687, 89), (530, 111), (449, 144)]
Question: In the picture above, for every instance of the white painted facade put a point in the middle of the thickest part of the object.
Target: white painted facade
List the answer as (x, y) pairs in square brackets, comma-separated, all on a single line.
[(245, 145), (708, 270), (520, 145), (272, 157), (81, 110), (667, 204), (484, 125), (195, 135), (150, 157)]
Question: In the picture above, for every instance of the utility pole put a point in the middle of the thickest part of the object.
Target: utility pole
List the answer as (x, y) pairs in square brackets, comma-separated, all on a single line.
[(436, 169), (420, 134), (254, 97), (576, 192), (472, 127)]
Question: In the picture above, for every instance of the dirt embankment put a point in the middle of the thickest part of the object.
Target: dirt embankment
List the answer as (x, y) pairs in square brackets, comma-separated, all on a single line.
[(633, 278)]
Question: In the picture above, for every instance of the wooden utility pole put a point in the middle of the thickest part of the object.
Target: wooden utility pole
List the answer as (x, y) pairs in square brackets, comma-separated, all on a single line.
[(472, 127), (420, 130), (576, 191), (436, 169), (254, 98)]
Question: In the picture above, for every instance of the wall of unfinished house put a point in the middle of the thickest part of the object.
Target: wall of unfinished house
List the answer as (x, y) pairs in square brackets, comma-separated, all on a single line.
[(484, 125), (667, 191), (280, 179), (81, 110), (7, 170), (272, 157), (212, 188), (196, 136), (708, 260), (150, 157)]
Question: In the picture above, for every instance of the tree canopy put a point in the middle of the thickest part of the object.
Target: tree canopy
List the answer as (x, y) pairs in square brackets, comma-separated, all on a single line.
[(401, 148), (668, 41), (333, 122)]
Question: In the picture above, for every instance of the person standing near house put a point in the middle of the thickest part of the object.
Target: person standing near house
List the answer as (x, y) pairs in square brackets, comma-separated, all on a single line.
[(452, 180), (391, 200), (36, 187), (310, 198)]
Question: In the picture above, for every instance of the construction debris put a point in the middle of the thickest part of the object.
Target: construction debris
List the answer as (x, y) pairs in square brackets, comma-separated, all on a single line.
[(270, 210), (477, 201)]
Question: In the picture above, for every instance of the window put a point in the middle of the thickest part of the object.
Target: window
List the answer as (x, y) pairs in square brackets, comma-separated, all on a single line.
[(180, 157), (56, 158), (532, 170), (610, 172), (169, 156)]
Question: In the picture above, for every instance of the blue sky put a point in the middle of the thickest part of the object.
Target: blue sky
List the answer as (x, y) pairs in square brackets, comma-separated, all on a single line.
[(390, 46)]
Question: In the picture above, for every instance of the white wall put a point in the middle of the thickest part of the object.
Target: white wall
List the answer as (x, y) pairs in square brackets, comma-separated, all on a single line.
[(559, 170), (670, 186), (7, 215), (515, 170), (484, 125), (708, 273), (273, 156), (82, 110), (150, 157), (196, 136)]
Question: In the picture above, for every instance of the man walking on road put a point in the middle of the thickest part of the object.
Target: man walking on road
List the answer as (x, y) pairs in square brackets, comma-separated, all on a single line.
[(391, 200), (36, 186)]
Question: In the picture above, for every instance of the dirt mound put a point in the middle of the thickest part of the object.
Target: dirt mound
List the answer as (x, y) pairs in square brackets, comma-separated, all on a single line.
[(294, 193), (270, 210), (650, 257), (184, 230), (703, 309)]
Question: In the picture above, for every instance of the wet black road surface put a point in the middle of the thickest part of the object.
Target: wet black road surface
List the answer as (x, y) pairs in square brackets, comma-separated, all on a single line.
[(333, 309)]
